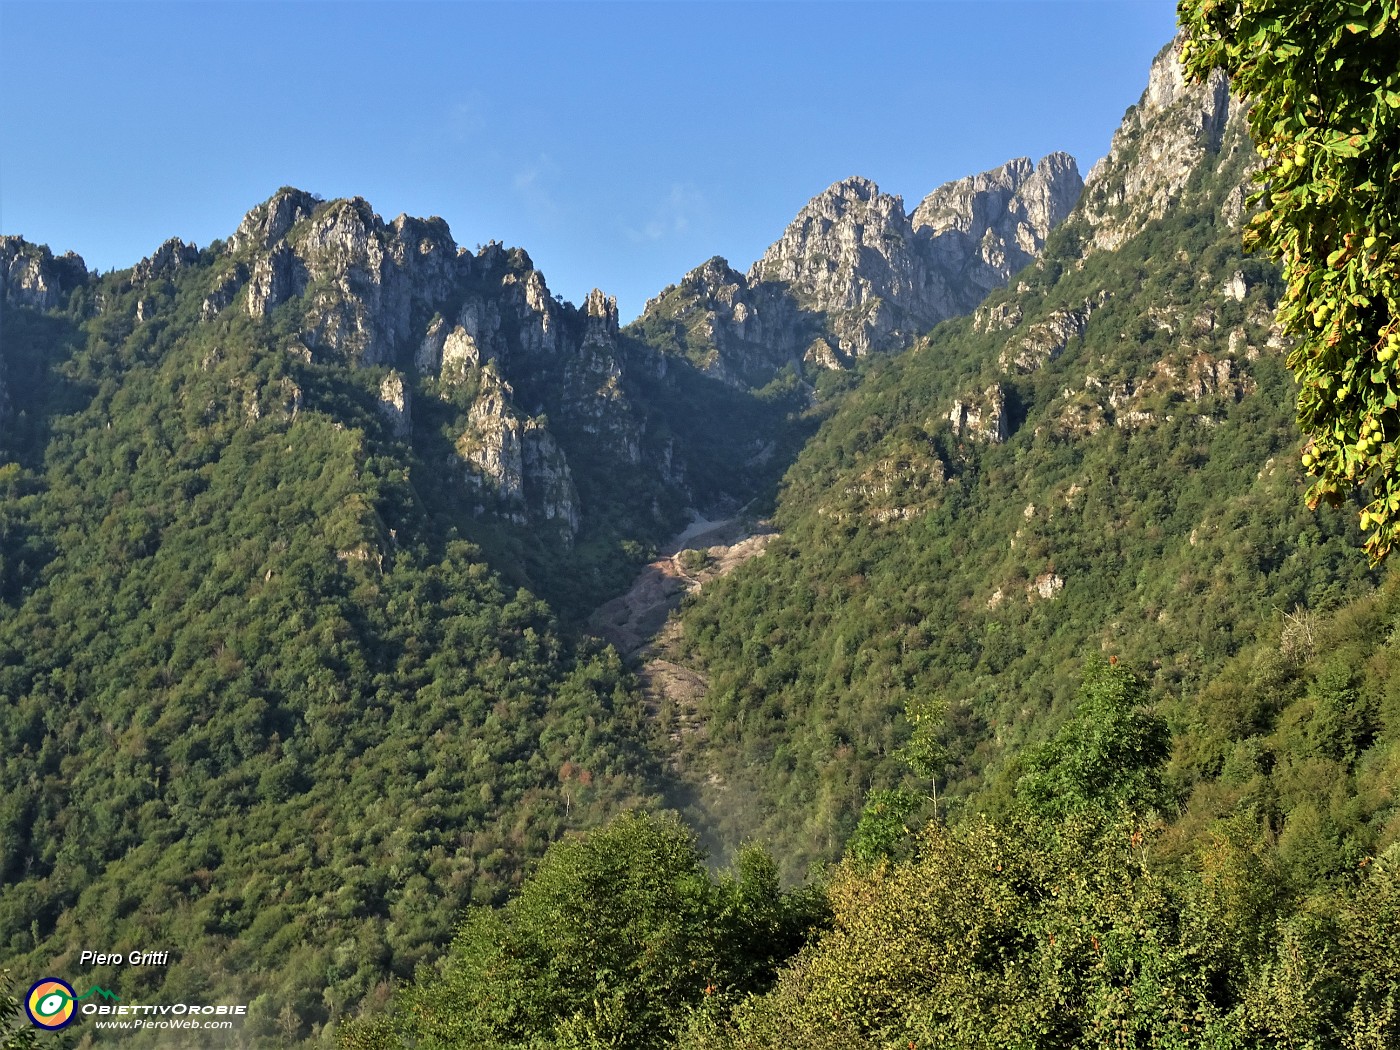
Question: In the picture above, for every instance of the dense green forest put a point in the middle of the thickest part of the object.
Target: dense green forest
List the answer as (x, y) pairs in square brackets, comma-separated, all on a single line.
[(1146, 502), (259, 703), (1052, 718), (1222, 872)]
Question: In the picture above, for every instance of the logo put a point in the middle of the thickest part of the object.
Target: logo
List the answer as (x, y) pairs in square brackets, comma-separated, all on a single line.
[(52, 1004)]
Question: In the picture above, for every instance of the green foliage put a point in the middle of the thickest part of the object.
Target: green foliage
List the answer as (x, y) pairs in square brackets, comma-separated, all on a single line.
[(1325, 88), (884, 825), (990, 936), (1108, 756), (15, 1031), (925, 753), (889, 817), (1074, 933), (912, 559), (1300, 745), (615, 936), (259, 704)]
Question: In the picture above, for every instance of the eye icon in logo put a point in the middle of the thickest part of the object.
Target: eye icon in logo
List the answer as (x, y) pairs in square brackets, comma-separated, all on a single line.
[(51, 1003)]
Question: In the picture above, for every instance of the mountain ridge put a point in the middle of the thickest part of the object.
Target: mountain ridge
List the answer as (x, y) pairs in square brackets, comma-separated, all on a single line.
[(300, 532), (853, 274), (1097, 460)]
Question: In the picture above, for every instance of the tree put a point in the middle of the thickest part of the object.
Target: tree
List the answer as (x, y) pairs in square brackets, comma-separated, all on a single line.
[(885, 821), (1325, 87), (610, 942), (16, 1033), (1108, 756)]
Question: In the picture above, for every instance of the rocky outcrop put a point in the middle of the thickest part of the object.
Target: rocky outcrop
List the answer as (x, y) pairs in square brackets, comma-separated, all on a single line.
[(1045, 340), (492, 448), (982, 418), (514, 464), (276, 277), (367, 277), (548, 485), (997, 317), (267, 224), (222, 293), (538, 373), (1047, 587), (460, 349), (1162, 141), (167, 260), (395, 405), (736, 331), (451, 351), (594, 400), (853, 274), (30, 274), (360, 279), (987, 227)]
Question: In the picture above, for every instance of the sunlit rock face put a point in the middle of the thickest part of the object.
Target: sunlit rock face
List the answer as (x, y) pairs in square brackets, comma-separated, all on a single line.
[(1162, 141), (854, 274)]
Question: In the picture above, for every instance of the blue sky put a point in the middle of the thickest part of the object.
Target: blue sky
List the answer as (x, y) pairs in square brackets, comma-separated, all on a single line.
[(620, 144)]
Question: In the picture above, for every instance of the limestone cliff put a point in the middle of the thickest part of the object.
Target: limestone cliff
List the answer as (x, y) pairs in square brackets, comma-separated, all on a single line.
[(1183, 147), (740, 332), (30, 274), (546, 379), (988, 226), (1162, 141), (359, 277), (853, 274)]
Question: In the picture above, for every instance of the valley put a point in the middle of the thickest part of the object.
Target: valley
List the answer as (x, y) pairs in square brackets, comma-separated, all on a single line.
[(361, 642)]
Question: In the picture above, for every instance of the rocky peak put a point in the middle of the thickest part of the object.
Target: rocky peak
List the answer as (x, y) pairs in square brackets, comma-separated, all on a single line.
[(170, 257), (714, 272), (847, 245), (1161, 142), (30, 275), (854, 274), (270, 221), (1166, 81), (402, 295), (851, 256), (601, 311), (369, 275), (737, 331), (974, 202), (344, 231), (986, 227)]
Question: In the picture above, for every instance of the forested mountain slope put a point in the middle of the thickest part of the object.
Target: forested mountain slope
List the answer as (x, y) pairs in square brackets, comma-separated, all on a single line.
[(297, 532), (263, 705), (1100, 460), (1065, 539)]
